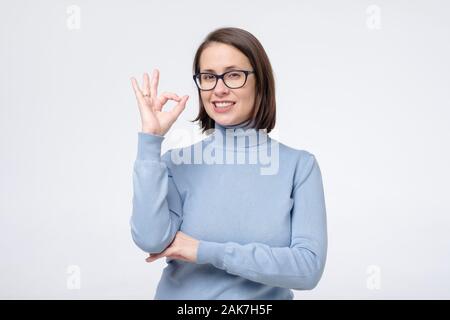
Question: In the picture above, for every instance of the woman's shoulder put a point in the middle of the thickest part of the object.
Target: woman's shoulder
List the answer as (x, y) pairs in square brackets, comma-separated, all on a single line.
[(297, 153), (305, 159)]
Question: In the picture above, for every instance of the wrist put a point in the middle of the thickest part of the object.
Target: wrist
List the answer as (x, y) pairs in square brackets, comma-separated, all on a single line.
[(149, 146), (151, 131)]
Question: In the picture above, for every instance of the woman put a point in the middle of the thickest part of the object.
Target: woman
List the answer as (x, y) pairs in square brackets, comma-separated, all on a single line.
[(228, 230)]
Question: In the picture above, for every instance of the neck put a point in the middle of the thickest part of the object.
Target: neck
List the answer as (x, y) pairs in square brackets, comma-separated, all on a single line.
[(239, 136)]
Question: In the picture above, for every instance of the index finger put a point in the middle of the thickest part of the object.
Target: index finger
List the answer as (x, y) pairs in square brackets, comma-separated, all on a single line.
[(137, 91)]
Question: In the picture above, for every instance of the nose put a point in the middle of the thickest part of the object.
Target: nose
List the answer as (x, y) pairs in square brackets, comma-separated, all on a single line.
[(221, 88)]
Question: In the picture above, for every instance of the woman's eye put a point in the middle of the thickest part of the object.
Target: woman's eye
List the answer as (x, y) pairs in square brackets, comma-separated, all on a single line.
[(207, 77)]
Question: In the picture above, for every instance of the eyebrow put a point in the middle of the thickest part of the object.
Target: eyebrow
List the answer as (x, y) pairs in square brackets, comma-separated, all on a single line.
[(227, 68)]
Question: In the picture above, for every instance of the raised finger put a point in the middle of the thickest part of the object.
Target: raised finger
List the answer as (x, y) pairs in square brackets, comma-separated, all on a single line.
[(154, 83), (146, 85), (137, 90)]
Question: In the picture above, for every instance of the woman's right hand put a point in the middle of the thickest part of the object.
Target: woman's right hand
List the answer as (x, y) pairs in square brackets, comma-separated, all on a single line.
[(154, 120)]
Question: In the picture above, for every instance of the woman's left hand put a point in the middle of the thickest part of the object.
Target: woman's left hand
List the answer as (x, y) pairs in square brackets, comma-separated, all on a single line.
[(183, 247)]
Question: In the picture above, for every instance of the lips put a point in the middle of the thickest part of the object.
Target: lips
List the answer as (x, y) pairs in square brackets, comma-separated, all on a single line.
[(223, 106)]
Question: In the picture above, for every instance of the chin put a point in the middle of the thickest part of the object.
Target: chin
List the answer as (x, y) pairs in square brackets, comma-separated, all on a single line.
[(225, 120)]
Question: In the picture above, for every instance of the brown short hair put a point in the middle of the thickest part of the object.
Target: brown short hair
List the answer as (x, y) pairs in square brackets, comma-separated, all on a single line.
[(264, 110)]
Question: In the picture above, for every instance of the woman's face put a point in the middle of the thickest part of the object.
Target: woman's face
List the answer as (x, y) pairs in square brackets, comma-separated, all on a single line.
[(218, 58)]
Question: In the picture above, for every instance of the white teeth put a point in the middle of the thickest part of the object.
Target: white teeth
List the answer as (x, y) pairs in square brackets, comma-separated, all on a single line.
[(223, 104)]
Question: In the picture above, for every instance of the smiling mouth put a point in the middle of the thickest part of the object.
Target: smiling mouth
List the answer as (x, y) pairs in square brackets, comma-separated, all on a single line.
[(223, 104)]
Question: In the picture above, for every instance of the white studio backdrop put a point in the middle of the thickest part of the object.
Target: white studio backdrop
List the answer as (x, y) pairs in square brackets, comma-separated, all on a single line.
[(363, 85)]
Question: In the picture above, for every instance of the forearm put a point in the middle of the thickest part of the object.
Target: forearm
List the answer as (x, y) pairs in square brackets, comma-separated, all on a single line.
[(298, 267), (152, 223)]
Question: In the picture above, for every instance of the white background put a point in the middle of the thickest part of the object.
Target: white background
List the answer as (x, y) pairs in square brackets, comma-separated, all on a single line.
[(366, 89)]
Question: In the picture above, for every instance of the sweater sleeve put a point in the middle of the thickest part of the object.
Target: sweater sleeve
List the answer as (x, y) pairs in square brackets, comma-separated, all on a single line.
[(299, 266), (157, 205)]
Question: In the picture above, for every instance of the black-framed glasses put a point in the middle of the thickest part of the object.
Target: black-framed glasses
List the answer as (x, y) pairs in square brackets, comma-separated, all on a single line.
[(233, 79)]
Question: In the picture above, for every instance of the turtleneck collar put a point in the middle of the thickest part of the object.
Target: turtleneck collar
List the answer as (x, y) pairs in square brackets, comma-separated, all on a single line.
[(243, 135)]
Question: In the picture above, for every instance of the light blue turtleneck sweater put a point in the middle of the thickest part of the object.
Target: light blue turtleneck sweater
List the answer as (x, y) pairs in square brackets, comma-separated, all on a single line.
[(261, 224)]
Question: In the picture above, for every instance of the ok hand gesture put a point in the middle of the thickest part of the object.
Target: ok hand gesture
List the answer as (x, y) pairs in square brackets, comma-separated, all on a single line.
[(154, 120)]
